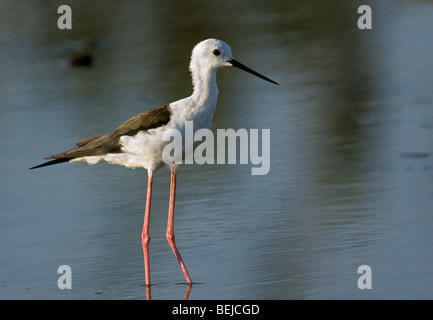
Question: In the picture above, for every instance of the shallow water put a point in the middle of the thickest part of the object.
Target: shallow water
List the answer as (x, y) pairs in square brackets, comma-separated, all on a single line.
[(351, 152)]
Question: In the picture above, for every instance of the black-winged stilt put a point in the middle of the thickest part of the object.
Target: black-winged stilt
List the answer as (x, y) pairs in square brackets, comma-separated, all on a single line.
[(138, 142)]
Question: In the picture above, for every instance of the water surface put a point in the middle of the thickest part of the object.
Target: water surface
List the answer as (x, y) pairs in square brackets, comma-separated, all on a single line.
[(351, 152)]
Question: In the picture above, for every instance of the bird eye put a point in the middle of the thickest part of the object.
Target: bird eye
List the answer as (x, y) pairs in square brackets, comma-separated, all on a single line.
[(216, 52)]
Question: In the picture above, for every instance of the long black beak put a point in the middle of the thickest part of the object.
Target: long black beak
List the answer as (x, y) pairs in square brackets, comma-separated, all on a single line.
[(239, 65)]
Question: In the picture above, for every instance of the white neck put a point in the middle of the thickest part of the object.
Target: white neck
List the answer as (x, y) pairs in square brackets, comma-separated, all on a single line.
[(201, 105), (204, 81)]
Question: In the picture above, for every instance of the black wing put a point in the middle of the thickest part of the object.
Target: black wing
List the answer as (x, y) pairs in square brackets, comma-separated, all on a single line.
[(109, 143)]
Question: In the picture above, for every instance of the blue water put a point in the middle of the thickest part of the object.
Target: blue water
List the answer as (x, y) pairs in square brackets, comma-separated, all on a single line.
[(351, 172)]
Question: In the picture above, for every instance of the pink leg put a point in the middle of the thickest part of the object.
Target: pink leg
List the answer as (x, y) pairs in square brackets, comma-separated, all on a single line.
[(145, 234), (170, 223), (187, 291)]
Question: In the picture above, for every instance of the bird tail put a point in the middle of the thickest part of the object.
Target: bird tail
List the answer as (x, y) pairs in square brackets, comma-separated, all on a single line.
[(49, 163), (89, 146)]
